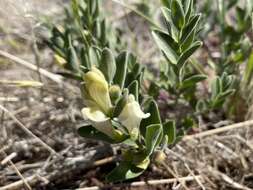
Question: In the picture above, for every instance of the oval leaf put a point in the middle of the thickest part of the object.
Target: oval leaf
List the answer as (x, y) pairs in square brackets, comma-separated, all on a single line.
[(169, 129), (121, 70), (188, 53), (166, 44), (124, 171), (152, 136), (108, 65), (192, 81), (177, 13)]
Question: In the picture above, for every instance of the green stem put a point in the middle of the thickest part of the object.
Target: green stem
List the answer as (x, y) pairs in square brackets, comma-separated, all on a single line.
[(221, 9), (79, 22)]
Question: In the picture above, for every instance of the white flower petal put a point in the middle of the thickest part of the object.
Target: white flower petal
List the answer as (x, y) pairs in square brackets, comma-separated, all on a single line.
[(132, 115), (98, 120), (93, 114)]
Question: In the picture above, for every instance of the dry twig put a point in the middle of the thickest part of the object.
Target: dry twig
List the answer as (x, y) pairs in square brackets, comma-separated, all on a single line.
[(8, 160), (146, 183), (175, 176), (228, 180), (53, 77), (219, 130), (27, 131), (18, 184)]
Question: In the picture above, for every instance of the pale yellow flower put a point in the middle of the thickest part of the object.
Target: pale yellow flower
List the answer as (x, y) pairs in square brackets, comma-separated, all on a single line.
[(60, 60), (98, 89), (97, 99)]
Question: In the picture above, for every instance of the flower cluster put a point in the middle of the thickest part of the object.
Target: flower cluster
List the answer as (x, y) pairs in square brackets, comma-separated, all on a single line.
[(112, 91), (99, 107)]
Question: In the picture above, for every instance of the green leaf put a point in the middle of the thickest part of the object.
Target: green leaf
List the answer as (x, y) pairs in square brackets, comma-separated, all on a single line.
[(221, 12), (121, 69), (132, 61), (95, 8), (134, 74), (178, 15), (166, 44), (108, 65), (249, 8), (92, 133), (188, 123), (224, 95), (58, 42), (152, 136), (154, 90), (169, 129), (103, 35), (85, 62), (75, 8), (188, 5), (227, 81), (93, 58), (249, 70), (166, 3), (202, 106), (121, 103), (221, 98), (154, 117), (188, 42), (57, 33), (189, 32), (53, 45), (192, 81), (124, 171), (73, 62), (216, 87), (134, 89), (171, 27), (188, 53)]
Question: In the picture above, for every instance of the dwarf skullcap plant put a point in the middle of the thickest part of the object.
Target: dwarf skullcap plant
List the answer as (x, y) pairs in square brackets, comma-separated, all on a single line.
[(111, 90), (77, 42), (117, 110), (113, 109), (180, 73), (177, 41)]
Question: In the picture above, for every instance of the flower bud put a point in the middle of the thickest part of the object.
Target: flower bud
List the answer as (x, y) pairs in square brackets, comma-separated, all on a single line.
[(60, 60), (118, 135), (114, 92), (159, 156), (98, 90)]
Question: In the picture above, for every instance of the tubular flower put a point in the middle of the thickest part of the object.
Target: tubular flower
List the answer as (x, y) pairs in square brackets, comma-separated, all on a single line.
[(97, 89), (131, 116), (97, 99)]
